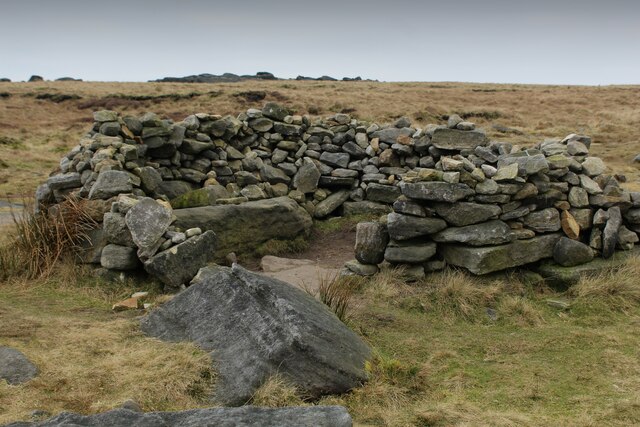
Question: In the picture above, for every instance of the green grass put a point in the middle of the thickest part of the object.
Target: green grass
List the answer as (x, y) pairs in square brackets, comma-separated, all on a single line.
[(439, 358)]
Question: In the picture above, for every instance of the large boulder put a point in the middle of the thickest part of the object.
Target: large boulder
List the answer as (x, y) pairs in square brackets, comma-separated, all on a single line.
[(242, 228), (487, 259), (178, 264), (255, 327), (15, 368), (246, 416)]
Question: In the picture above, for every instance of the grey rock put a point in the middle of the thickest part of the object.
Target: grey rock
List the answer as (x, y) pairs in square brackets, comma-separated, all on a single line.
[(408, 207), (105, 116), (543, 221), (246, 416), (364, 207), (116, 257), (338, 160), (453, 139), (610, 232), (273, 175), (110, 183), (193, 146), (593, 166), (173, 189), (110, 128), (361, 269), (255, 326), (578, 197), (116, 230), (150, 178), (15, 368), (148, 220), (64, 181), (633, 216), (466, 213), (243, 228), (354, 150), (436, 191), (487, 259), (527, 165), (409, 252), (404, 227), (179, 264), (382, 193), (371, 241), (274, 111), (390, 135), (488, 233), (569, 253), (331, 203)]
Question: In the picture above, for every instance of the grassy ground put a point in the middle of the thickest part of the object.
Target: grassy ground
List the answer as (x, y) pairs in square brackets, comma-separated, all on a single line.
[(451, 350), (35, 132)]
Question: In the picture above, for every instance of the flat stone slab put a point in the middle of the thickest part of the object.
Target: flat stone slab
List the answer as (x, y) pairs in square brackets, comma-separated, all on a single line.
[(246, 416), (568, 276), (487, 259), (305, 274), (254, 327), (453, 139), (15, 368)]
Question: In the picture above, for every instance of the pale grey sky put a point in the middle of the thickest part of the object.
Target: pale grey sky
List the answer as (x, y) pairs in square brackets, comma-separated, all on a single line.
[(560, 42)]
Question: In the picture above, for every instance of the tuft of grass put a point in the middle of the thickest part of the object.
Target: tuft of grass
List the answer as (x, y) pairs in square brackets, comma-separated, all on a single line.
[(277, 392), (337, 292), (617, 291), (457, 294), (520, 310), (40, 240)]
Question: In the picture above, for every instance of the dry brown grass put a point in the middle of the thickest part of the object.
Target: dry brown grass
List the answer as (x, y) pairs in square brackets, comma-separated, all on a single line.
[(617, 290), (39, 241), (91, 359), (277, 392), (45, 129)]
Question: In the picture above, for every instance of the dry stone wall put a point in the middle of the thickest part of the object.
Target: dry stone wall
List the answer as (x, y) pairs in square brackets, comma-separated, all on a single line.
[(451, 195)]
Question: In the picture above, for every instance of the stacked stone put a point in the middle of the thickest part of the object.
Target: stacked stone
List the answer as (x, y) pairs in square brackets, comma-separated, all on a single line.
[(496, 206), (259, 154), (453, 195), (137, 232)]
